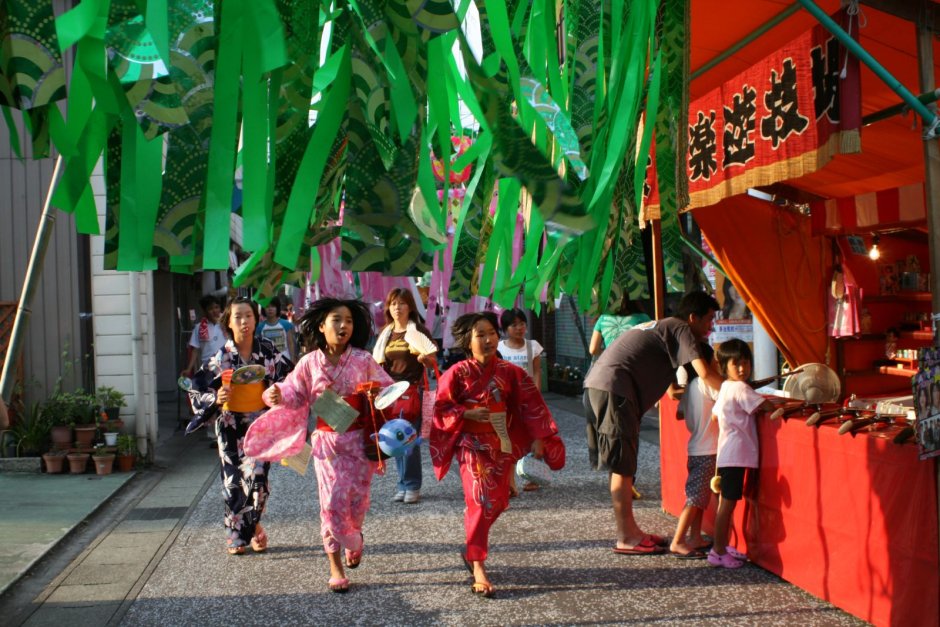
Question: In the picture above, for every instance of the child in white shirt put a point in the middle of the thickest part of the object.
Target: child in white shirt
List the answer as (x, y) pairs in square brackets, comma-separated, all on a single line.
[(696, 409), (738, 449)]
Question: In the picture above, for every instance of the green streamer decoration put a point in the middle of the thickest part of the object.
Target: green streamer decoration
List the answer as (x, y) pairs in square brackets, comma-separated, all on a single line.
[(330, 112)]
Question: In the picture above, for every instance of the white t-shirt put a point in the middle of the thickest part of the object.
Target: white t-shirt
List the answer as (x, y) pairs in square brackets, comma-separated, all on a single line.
[(697, 404), (520, 356), (737, 428), (210, 347)]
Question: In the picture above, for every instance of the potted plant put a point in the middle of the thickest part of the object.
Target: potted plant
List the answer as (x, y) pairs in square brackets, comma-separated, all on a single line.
[(84, 413), (31, 433), (77, 462), (126, 454), (103, 461), (54, 460), (58, 411), (110, 400)]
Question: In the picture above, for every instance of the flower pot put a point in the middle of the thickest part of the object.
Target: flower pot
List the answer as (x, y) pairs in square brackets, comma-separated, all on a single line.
[(84, 436), (54, 463), (110, 438), (61, 437), (77, 462), (125, 462), (103, 463)]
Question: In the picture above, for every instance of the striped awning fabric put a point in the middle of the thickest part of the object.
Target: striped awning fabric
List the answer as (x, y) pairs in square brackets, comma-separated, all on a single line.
[(899, 206)]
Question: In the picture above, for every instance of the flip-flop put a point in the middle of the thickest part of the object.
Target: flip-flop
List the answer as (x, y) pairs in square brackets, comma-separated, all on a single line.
[(485, 590), (646, 547), (340, 585), (694, 554), (658, 540)]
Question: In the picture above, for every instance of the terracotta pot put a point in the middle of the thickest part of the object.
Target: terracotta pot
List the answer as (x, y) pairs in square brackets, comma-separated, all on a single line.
[(77, 462), (84, 436), (103, 463), (61, 437), (54, 463), (126, 462)]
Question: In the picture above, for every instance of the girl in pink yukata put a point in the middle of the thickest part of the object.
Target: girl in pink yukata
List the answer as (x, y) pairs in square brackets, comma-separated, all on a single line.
[(336, 333), (735, 411)]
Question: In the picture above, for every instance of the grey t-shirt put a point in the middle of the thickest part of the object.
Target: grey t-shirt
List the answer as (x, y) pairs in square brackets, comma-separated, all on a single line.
[(640, 364)]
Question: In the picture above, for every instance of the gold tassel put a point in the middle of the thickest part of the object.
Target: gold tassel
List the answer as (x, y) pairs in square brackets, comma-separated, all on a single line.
[(850, 142)]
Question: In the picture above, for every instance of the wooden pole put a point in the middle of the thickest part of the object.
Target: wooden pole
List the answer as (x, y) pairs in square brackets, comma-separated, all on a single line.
[(925, 63)]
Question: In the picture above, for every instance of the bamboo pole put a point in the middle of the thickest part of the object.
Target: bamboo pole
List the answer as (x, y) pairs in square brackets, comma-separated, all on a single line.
[(33, 273)]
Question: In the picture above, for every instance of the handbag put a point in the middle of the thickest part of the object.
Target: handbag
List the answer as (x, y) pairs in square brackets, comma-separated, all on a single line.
[(428, 398)]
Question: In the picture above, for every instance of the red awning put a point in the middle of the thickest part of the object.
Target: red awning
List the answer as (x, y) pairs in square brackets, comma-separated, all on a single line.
[(892, 150)]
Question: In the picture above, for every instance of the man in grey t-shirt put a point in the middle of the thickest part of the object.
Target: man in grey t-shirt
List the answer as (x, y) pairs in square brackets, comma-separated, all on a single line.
[(627, 380)]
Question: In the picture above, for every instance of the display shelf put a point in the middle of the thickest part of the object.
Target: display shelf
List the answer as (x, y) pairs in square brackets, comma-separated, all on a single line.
[(919, 297), (863, 337), (920, 336), (898, 371)]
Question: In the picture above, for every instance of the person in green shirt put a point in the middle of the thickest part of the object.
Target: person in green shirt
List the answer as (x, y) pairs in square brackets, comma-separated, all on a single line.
[(609, 326)]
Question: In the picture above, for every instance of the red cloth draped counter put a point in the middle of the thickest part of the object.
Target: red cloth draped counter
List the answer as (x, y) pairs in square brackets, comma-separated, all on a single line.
[(852, 520)]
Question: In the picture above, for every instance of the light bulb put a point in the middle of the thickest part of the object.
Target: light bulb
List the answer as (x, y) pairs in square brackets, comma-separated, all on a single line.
[(873, 253)]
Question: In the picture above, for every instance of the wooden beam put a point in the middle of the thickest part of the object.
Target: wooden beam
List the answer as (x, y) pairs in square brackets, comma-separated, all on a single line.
[(910, 11), (659, 278)]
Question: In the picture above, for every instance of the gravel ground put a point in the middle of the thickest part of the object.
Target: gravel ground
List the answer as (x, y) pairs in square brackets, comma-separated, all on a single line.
[(550, 560)]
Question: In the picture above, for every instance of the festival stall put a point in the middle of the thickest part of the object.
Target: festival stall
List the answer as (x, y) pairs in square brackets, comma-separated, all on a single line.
[(845, 512)]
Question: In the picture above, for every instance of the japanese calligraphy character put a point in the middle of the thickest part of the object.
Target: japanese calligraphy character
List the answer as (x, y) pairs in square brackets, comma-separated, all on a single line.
[(702, 147), (781, 102), (826, 80), (647, 188), (740, 121)]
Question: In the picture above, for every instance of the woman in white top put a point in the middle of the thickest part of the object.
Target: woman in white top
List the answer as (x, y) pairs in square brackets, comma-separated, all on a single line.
[(527, 354)]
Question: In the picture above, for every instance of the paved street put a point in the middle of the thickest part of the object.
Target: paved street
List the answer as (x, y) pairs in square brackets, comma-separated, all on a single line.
[(165, 563)]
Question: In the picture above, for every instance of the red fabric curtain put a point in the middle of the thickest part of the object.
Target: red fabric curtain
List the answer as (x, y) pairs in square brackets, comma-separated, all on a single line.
[(778, 266)]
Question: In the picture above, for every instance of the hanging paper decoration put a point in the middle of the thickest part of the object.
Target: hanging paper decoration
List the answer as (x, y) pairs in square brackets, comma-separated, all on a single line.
[(319, 103), (460, 145)]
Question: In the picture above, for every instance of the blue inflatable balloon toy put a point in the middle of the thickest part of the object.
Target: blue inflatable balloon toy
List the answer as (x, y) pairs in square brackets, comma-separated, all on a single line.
[(397, 437)]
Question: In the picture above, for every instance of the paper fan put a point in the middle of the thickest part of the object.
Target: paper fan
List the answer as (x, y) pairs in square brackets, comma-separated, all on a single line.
[(420, 341)]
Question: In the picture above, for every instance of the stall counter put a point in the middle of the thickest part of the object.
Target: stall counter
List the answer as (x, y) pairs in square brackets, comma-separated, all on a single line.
[(852, 520)]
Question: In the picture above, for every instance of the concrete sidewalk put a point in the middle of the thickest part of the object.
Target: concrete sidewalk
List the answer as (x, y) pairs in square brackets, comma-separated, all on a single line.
[(162, 559)]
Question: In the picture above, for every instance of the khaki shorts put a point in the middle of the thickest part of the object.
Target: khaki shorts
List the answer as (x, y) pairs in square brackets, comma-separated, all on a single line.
[(613, 429)]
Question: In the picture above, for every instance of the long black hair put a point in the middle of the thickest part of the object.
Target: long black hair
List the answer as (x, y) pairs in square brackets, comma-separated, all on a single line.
[(309, 324), (734, 349), (462, 328)]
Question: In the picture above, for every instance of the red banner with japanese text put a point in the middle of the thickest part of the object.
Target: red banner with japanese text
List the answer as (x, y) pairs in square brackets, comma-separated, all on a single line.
[(782, 118)]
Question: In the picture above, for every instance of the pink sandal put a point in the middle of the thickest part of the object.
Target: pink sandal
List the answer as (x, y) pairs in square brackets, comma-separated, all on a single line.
[(339, 585), (259, 543)]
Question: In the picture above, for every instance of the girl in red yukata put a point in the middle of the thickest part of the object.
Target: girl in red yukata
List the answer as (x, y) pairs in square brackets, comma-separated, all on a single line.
[(488, 414)]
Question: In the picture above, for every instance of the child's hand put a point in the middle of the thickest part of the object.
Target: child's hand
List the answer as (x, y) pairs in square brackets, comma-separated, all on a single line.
[(274, 395), (479, 414), (223, 395)]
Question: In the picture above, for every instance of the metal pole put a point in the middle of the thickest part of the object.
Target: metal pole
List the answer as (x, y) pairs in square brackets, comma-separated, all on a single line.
[(863, 56), (884, 114), (33, 272), (659, 280)]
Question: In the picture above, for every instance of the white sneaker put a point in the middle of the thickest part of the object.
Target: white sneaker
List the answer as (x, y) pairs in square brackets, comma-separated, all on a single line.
[(399, 496), (412, 496)]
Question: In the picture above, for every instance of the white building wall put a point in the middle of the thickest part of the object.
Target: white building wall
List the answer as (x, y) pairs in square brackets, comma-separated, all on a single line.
[(111, 304)]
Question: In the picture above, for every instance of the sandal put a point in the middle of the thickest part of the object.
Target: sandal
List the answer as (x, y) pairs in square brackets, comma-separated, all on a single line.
[(236, 550), (259, 543), (485, 590), (530, 487), (340, 585)]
